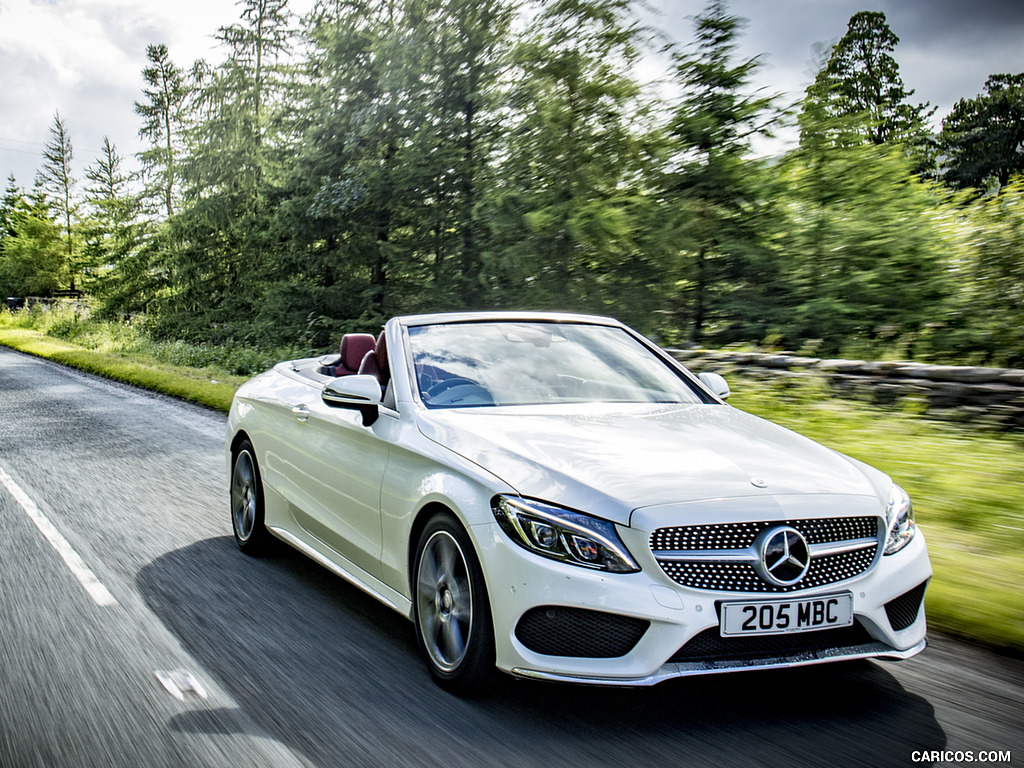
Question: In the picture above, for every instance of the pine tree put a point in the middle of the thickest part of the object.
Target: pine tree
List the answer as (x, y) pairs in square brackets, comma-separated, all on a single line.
[(11, 204), (566, 204), (712, 215), (110, 232), (228, 143), (57, 180), (163, 115), (469, 45), (218, 242)]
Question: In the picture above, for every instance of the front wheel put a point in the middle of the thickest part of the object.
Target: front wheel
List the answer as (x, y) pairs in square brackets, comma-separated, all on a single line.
[(451, 611), (247, 502)]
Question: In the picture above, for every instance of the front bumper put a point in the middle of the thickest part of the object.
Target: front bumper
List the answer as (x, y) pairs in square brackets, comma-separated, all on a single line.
[(670, 670), (521, 584)]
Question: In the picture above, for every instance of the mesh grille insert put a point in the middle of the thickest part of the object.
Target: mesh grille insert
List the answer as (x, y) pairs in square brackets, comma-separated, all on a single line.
[(741, 577), (741, 535), (559, 631)]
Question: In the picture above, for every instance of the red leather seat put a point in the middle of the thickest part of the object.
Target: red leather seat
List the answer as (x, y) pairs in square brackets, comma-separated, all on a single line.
[(375, 362), (354, 347)]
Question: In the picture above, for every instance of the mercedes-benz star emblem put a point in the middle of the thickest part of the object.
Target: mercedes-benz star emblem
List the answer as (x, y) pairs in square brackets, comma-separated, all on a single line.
[(783, 555)]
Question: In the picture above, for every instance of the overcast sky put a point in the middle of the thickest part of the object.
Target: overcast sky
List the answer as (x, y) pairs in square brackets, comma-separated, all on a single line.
[(85, 57)]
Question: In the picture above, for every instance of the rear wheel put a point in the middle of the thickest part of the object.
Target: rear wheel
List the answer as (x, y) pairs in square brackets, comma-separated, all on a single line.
[(247, 502), (451, 611)]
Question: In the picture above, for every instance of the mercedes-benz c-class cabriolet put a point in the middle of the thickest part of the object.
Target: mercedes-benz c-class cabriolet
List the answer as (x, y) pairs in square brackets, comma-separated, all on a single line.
[(556, 497)]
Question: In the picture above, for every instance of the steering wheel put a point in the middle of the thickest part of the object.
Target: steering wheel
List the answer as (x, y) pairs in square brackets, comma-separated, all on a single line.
[(445, 385)]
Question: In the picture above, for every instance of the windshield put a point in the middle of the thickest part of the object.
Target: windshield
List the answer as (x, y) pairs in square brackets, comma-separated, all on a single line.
[(533, 363)]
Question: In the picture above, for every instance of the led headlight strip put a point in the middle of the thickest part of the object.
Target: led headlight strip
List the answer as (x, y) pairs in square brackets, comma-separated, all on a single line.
[(564, 535)]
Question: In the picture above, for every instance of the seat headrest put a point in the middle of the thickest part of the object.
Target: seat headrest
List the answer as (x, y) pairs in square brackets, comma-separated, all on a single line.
[(354, 347)]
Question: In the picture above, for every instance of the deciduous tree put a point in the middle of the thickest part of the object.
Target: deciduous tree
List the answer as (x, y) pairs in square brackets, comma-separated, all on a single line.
[(990, 307), (983, 138), (32, 258), (859, 92), (864, 246)]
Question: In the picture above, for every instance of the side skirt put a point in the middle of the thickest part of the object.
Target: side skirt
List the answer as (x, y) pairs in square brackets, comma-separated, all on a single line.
[(350, 573)]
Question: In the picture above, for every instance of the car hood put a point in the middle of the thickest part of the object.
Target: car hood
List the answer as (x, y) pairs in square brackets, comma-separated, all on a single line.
[(609, 460)]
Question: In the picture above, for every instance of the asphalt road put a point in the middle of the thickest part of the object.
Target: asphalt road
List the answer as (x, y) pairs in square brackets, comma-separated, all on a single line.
[(117, 562)]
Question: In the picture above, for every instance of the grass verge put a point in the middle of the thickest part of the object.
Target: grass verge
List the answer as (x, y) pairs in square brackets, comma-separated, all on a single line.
[(208, 387)]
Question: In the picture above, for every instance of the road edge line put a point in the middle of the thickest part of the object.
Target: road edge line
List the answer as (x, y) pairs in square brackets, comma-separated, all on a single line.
[(99, 593)]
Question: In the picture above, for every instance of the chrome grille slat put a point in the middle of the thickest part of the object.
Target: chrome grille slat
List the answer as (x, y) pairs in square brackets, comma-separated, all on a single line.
[(721, 556)]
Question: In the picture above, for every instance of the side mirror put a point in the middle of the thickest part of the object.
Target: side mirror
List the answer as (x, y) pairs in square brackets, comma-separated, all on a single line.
[(359, 392), (718, 385)]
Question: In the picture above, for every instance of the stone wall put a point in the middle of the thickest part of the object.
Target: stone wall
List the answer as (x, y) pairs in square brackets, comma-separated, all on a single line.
[(990, 396)]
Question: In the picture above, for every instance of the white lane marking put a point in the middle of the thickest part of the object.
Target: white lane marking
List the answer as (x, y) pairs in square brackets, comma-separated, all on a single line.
[(178, 681), (99, 593)]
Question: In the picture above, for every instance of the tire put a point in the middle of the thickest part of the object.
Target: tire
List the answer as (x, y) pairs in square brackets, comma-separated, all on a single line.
[(247, 520), (451, 612)]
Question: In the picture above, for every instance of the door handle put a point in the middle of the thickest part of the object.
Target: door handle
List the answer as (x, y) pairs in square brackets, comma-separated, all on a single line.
[(301, 412)]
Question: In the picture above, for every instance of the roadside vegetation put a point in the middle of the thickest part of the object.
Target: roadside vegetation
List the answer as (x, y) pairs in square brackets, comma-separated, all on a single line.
[(370, 159), (967, 485), (200, 373)]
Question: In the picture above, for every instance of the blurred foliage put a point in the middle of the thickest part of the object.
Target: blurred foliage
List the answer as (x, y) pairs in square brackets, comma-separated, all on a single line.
[(716, 216), (864, 248), (374, 158)]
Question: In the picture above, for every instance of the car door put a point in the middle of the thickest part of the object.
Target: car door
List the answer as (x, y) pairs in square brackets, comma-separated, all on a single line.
[(333, 467), (348, 464)]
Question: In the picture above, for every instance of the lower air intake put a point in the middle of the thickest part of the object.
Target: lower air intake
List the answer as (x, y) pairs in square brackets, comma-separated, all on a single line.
[(902, 611), (711, 646), (559, 631)]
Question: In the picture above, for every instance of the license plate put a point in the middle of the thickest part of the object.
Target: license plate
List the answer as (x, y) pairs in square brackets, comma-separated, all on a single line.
[(777, 617)]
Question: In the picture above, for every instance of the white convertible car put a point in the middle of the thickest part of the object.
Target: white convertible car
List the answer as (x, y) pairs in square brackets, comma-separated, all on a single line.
[(556, 497)]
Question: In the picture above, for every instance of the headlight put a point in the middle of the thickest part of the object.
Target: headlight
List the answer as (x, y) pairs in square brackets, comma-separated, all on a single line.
[(563, 535), (899, 519)]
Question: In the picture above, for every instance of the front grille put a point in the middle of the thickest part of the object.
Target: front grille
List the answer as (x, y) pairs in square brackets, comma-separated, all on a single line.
[(742, 535), (709, 645), (560, 631), (740, 576), (902, 611)]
